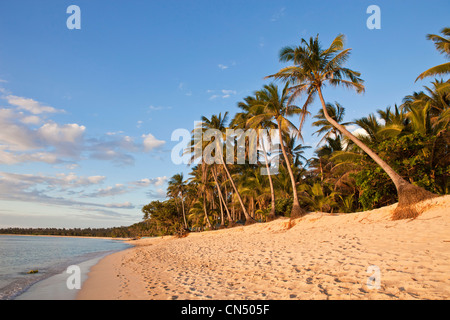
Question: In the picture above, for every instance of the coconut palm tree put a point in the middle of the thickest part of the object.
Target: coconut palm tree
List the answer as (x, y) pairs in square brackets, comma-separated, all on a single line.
[(217, 122), (277, 108), (295, 150), (202, 184), (222, 202), (442, 44), (336, 112), (436, 98), (317, 199), (313, 68), (240, 120), (176, 189)]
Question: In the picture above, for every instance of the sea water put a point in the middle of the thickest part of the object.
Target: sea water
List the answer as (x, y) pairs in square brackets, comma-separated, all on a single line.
[(50, 256)]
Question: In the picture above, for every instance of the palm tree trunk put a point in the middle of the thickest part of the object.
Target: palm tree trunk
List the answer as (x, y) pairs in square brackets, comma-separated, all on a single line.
[(205, 211), (272, 191), (408, 194), (221, 199), (184, 214), (248, 219), (222, 218), (297, 211), (321, 169)]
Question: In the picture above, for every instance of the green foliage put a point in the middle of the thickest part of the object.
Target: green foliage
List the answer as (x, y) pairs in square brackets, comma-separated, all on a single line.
[(162, 218), (283, 206), (375, 187), (318, 198), (412, 156)]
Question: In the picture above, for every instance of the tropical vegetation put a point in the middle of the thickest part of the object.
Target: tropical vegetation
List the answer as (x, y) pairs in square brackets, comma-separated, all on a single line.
[(398, 154), (401, 153)]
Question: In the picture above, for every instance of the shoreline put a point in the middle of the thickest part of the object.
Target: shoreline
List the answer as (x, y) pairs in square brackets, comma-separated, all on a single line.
[(50, 284), (56, 236), (54, 287), (319, 256)]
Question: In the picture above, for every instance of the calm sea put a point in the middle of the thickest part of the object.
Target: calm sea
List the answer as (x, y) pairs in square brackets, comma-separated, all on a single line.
[(49, 255)]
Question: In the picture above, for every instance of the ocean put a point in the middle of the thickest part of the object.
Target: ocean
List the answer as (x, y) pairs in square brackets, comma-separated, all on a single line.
[(50, 256)]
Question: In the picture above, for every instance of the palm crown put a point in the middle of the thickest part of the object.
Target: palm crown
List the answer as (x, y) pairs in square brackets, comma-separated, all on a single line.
[(315, 67)]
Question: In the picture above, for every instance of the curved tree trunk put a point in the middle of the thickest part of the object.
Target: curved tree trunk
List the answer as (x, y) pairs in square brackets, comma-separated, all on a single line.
[(297, 211), (221, 199), (408, 194), (184, 214), (272, 191), (205, 211), (248, 218)]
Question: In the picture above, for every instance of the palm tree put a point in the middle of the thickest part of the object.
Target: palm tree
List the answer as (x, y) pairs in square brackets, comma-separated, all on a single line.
[(176, 189), (277, 108), (442, 44), (222, 201), (240, 120), (314, 68), (219, 123), (336, 112), (295, 150), (317, 199), (437, 99), (201, 181)]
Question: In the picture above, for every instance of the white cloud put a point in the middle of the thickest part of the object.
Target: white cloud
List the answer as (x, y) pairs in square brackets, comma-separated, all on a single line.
[(27, 136), (60, 180), (31, 120), (356, 130), (158, 181), (223, 67), (224, 93), (158, 194), (125, 205), (54, 133), (150, 142), (15, 135), (30, 105), (28, 188), (115, 190)]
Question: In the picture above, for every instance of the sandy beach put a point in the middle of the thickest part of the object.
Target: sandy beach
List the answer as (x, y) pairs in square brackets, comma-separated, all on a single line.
[(320, 256)]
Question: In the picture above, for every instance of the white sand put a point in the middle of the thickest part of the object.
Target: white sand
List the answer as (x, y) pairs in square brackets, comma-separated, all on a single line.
[(322, 256)]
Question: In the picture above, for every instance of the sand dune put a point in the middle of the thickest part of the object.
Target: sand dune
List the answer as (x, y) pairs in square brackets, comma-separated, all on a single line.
[(319, 256)]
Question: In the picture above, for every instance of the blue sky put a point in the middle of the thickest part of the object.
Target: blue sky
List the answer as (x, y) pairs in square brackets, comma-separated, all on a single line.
[(87, 115)]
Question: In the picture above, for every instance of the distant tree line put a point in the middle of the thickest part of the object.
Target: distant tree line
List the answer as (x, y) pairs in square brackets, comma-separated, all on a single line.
[(117, 232)]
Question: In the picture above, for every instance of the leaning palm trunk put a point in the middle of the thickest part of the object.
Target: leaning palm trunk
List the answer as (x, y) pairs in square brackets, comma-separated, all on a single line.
[(222, 200), (206, 212), (297, 211), (272, 191), (408, 194), (184, 214), (248, 218)]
